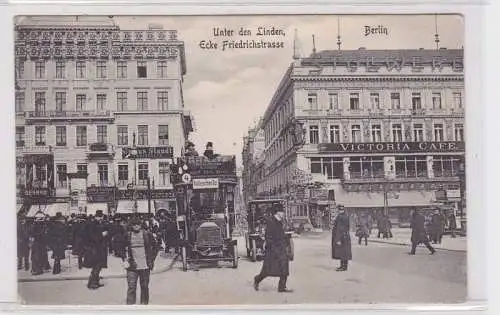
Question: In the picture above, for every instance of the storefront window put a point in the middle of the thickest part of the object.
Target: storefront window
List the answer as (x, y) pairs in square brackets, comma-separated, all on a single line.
[(411, 166), (330, 167), (445, 166), (367, 167)]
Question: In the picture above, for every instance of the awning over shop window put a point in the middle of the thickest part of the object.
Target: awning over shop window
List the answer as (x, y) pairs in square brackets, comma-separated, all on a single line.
[(164, 204), (49, 209), (94, 206), (376, 200)]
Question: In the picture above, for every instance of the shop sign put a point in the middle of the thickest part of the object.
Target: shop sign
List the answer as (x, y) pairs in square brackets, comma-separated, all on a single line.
[(453, 194), (319, 194), (205, 183), (37, 192), (143, 194), (100, 194), (201, 166), (166, 152), (392, 147)]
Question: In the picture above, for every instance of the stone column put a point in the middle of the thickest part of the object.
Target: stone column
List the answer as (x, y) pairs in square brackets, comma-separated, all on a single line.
[(430, 169), (347, 172), (390, 167)]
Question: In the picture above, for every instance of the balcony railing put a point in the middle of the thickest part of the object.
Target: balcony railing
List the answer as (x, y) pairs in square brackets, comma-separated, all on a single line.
[(38, 149), (67, 114)]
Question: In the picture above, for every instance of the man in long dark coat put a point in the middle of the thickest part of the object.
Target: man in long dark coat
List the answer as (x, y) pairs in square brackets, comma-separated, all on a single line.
[(276, 258), (79, 239), (23, 246), (96, 253), (418, 233), (437, 226), (37, 239), (57, 236), (341, 240)]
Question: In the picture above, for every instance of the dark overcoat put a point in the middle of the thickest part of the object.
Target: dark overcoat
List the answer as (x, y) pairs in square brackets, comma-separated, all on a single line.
[(23, 246), (57, 239), (437, 223), (148, 249), (452, 222), (341, 240), (362, 228), (276, 257), (418, 231), (79, 237), (96, 252)]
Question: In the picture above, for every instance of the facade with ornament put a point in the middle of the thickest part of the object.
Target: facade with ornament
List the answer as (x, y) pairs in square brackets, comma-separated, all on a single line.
[(373, 130), (99, 110)]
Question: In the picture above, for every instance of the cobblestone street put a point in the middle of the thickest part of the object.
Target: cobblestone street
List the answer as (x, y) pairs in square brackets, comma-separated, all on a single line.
[(379, 273)]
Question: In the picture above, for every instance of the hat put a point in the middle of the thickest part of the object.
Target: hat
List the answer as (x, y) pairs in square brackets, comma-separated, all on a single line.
[(277, 208), (99, 213), (209, 144), (189, 144)]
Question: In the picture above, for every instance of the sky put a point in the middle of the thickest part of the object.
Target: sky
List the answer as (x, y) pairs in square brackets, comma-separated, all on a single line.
[(228, 91)]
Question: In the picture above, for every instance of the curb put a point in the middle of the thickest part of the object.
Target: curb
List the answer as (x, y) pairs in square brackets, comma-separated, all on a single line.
[(112, 276), (407, 244)]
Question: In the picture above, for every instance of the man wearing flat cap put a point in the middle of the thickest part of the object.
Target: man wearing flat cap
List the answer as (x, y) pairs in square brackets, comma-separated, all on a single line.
[(96, 254), (276, 257), (139, 262)]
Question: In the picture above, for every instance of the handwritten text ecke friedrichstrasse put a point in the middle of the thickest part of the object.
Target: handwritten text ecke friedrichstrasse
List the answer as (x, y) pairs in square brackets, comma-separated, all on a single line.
[(229, 39)]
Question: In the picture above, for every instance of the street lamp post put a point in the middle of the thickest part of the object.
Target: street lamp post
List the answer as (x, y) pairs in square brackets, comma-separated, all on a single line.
[(133, 154)]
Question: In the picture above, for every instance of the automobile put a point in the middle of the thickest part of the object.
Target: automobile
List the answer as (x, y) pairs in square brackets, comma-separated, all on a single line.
[(205, 209), (258, 212)]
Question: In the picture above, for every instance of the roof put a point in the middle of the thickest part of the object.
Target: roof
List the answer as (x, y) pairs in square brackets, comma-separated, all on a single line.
[(66, 22), (424, 55)]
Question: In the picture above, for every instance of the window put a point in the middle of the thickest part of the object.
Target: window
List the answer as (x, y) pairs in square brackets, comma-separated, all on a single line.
[(41, 175), (142, 101), (122, 132), (101, 102), (142, 70), (143, 174), (438, 132), (60, 70), (121, 101), (333, 100), (376, 133), (312, 100), (418, 132), (81, 169), (121, 68), (39, 69), (164, 170), (102, 170), (19, 101), (20, 69), (62, 179), (143, 135), (163, 134), (162, 100), (411, 166), (61, 136), (416, 101), (101, 68), (367, 167), (313, 134), (20, 137), (445, 166), (459, 132), (81, 136), (80, 102), (39, 103), (334, 134), (122, 175), (81, 69), (162, 69), (436, 101), (397, 133), (457, 100), (102, 134), (331, 167), (354, 101), (356, 133), (40, 135), (395, 101), (60, 101), (374, 100)]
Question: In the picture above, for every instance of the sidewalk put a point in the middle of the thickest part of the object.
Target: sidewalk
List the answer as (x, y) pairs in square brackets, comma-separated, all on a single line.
[(70, 271), (402, 236)]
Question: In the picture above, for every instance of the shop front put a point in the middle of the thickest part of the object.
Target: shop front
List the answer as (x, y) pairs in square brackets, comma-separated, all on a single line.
[(145, 201), (101, 198)]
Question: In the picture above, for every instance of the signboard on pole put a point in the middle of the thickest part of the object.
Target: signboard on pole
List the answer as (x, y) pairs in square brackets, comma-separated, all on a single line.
[(205, 183)]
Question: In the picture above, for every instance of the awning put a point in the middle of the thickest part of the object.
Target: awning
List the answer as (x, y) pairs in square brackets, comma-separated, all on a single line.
[(127, 206), (49, 209), (94, 206), (376, 200), (164, 204)]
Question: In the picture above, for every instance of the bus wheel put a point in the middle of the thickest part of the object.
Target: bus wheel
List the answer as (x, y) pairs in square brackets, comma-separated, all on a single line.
[(254, 250)]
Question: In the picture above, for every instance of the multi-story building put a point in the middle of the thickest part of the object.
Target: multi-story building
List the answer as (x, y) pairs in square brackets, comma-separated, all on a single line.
[(97, 109), (379, 129), (252, 156)]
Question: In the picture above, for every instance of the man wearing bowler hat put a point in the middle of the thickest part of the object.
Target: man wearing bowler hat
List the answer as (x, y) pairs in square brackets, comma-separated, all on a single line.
[(96, 254), (276, 257)]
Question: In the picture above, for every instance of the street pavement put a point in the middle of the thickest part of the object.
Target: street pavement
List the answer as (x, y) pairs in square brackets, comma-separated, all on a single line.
[(379, 273)]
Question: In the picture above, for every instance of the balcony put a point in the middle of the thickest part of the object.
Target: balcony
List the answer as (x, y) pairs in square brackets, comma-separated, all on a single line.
[(33, 150), (67, 115), (100, 150)]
